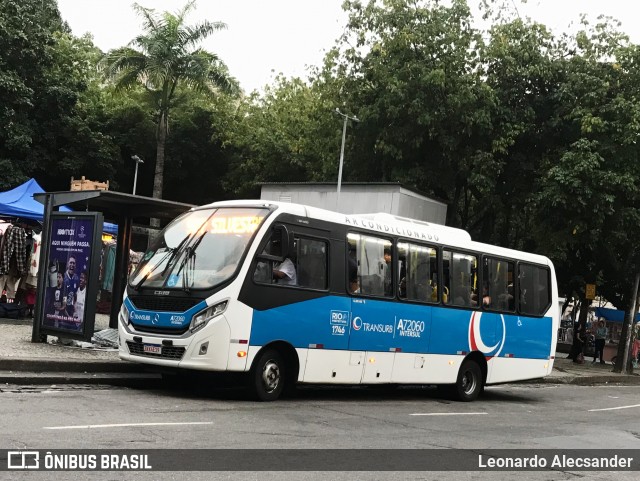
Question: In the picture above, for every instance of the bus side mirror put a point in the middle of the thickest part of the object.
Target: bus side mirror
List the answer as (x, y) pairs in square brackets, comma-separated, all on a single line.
[(286, 240), (280, 245)]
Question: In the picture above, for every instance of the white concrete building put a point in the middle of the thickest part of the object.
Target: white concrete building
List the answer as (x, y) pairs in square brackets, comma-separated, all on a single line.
[(359, 198)]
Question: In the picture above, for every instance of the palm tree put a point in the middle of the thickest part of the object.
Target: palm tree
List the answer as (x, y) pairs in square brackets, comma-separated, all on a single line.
[(165, 56)]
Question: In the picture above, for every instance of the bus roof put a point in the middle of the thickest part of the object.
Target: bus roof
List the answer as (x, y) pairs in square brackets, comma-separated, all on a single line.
[(391, 225), (380, 222)]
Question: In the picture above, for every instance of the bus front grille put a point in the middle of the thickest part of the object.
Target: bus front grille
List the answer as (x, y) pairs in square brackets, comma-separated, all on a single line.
[(170, 353), (163, 304), (164, 331)]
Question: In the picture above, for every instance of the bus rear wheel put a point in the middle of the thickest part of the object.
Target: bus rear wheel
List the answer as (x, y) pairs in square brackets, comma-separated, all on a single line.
[(267, 376), (468, 386)]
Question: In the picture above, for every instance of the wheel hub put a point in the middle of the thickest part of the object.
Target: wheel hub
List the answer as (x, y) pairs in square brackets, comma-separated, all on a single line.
[(271, 376), (468, 382)]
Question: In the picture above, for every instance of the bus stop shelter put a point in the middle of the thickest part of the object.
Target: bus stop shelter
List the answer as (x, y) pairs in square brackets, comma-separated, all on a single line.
[(117, 207)]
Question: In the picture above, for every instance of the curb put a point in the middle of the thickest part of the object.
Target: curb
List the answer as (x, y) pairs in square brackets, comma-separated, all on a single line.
[(124, 380), (49, 365), (591, 380)]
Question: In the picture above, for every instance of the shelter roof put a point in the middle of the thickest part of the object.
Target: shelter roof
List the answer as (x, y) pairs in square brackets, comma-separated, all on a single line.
[(117, 204)]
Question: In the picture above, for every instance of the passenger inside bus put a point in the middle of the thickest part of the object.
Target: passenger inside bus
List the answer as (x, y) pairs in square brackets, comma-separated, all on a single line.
[(354, 283), (388, 281), (486, 298), (462, 296), (285, 272)]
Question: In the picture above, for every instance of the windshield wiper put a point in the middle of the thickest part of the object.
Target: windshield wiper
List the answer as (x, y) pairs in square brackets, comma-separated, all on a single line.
[(188, 263), (170, 254)]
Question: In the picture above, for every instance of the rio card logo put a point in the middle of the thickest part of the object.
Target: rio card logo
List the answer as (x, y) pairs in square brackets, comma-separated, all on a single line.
[(475, 337)]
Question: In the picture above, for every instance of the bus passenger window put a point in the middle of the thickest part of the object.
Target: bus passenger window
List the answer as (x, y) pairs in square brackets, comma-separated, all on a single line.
[(460, 279), (418, 272), (534, 289), (497, 285), (312, 263), (374, 265)]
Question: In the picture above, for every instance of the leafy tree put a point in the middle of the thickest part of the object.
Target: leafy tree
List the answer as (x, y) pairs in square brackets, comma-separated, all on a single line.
[(161, 59), (413, 78), (286, 134), (198, 149), (48, 92)]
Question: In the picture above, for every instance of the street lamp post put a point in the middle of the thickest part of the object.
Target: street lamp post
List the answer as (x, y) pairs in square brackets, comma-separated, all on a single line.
[(344, 136), (138, 161)]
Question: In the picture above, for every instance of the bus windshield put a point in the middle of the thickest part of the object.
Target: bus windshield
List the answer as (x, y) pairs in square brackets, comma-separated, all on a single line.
[(199, 249)]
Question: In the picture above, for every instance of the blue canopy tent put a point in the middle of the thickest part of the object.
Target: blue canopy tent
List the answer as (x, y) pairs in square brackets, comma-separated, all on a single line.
[(613, 315), (19, 202)]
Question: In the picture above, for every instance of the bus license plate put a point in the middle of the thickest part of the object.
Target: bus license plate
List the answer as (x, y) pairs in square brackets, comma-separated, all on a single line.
[(151, 349)]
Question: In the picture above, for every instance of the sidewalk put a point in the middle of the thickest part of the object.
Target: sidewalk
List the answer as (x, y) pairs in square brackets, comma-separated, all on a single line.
[(25, 362), (22, 361)]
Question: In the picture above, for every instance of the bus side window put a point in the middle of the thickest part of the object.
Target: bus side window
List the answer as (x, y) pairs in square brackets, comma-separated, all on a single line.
[(276, 263), (263, 273), (421, 278), (312, 263), (373, 259), (264, 268), (460, 275), (497, 285), (534, 289)]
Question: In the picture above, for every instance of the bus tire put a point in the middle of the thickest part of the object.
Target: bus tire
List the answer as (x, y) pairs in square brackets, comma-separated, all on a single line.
[(267, 377), (468, 386)]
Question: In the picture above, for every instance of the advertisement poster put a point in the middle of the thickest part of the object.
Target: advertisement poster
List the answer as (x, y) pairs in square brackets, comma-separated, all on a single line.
[(71, 265)]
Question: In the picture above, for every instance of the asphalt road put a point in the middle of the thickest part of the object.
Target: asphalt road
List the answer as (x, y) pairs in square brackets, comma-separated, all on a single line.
[(510, 416)]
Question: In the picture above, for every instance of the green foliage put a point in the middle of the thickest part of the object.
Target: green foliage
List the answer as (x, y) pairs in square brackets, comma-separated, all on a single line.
[(284, 135), (164, 58), (48, 93)]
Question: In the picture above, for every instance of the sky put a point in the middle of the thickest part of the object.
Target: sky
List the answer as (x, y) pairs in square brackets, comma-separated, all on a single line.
[(267, 37)]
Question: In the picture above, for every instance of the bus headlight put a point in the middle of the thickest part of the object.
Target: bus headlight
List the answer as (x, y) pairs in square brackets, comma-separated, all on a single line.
[(124, 315), (201, 319)]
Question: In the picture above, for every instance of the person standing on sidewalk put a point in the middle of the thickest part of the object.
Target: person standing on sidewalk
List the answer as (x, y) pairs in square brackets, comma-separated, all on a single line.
[(579, 336), (601, 337)]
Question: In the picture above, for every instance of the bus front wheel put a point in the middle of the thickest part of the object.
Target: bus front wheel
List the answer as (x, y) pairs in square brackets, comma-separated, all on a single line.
[(267, 376), (468, 386)]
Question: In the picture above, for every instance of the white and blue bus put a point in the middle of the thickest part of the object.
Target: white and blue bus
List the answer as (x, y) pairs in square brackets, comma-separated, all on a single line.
[(286, 294)]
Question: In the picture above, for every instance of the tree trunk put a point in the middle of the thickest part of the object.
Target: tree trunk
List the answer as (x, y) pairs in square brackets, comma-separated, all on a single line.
[(160, 147), (158, 177), (622, 358)]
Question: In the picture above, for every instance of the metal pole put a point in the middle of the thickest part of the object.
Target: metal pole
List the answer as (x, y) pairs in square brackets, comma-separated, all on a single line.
[(629, 323), (43, 270), (344, 135), (121, 269), (135, 178)]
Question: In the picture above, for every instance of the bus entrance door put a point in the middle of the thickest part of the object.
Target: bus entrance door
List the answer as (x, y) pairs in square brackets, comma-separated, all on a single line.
[(371, 338)]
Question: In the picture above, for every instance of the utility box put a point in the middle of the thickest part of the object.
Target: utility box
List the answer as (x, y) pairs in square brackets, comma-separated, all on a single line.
[(84, 184), (359, 198)]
